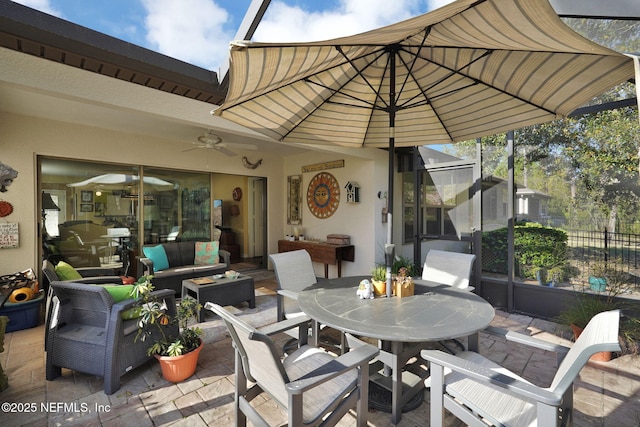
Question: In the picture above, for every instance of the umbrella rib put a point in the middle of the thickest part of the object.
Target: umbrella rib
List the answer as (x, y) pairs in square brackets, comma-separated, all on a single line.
[(409, 75), (475, 80), (346, 95), (359, 72), (452, 72)]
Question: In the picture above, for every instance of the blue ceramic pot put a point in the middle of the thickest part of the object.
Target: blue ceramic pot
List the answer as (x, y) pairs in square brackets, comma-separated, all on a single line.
[(598, 284)]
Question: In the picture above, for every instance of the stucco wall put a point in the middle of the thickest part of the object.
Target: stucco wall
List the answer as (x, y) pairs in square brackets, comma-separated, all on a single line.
[(362, 221), (23, 138), (31, 87)]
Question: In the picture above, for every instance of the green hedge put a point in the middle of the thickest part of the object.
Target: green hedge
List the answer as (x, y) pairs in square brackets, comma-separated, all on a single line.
[(536, 247)]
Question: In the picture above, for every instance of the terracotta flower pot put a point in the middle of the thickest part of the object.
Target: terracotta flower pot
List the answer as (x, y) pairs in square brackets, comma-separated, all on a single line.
[(179, 368), (602, 356)]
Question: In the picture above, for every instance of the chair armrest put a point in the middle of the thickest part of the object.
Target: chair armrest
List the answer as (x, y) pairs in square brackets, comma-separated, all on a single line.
[(146, 264), (159, 294), (288, 294), (485, 375), (225, 256), (118, 308), (284, 325), (96, 271), (358, 357), (530, 341), (100, 280)]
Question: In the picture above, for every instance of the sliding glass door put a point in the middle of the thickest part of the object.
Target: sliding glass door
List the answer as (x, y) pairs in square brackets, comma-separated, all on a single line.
[(97, 214)]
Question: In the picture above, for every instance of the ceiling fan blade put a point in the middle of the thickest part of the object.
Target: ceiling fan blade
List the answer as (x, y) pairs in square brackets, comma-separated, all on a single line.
[(241, 146), (223, 150), (189, 149)]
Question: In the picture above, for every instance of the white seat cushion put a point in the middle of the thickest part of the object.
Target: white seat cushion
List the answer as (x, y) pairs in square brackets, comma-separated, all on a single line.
[(518, 411)]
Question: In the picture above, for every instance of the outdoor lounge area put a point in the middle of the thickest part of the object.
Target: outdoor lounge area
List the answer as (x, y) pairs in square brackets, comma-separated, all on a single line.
[(485, 155), (606, 394)]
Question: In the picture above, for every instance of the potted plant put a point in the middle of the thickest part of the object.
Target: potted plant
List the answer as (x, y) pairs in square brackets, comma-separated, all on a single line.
[(404, 285), (400, 262), (379, 279), (580, 313), (178, 355), (588, 304)]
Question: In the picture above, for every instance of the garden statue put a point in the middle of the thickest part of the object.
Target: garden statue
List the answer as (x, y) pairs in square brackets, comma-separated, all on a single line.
[(365, 289)]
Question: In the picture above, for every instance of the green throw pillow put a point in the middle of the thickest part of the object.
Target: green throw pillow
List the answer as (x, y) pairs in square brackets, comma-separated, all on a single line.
[(119, 292), (207, 253), (158, 256), (67, 272)]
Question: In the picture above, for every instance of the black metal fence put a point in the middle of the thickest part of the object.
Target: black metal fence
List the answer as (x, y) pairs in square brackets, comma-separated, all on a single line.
[(618, 250), (589, 250)]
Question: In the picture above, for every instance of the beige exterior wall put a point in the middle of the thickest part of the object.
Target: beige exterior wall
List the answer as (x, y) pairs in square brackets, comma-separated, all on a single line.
[(361, 221), (32, 88)]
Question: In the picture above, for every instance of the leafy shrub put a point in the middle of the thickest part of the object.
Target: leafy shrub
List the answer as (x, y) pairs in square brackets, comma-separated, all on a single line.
[(535, 246)]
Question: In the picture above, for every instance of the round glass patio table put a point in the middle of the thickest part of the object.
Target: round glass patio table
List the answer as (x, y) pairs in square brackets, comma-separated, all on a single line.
[(405, 325)]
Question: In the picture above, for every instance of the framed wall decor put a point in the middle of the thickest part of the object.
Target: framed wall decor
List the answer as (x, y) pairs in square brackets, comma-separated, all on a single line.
[(86, 207), (86, 196), (9, 237), (100, 208), (323, 195), (294, 200)]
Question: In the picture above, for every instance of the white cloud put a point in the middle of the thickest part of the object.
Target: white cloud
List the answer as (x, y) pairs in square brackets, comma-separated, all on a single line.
[(435, 4), (41, 5), (199, 31), (189, 30), (284, 23)]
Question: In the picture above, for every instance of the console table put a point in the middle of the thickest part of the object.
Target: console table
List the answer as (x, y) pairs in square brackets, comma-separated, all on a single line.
[(325, 253)]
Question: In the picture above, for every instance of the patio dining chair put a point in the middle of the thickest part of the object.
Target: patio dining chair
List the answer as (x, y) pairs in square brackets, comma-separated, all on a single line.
[(294, 272), (451, 269), (448, 268), (313, 386), (480, 392)]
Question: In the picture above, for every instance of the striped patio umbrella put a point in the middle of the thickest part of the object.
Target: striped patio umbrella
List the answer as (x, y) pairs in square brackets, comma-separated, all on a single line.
[(469, 69)]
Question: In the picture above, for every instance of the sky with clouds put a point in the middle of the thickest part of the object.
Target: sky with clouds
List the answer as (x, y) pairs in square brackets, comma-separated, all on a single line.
[(199, 31)]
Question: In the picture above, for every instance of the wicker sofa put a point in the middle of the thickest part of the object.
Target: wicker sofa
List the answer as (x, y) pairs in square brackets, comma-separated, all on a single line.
[(181, 257)]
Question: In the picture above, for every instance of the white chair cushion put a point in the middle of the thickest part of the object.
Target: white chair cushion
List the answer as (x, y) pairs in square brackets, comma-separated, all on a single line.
[(518, 411)]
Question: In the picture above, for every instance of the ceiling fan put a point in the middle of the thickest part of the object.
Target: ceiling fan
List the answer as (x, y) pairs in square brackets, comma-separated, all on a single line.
[(210, 140)]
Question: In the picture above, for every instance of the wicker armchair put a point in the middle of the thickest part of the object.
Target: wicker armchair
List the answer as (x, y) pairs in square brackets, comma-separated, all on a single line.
[(86, 333), (91, 275)]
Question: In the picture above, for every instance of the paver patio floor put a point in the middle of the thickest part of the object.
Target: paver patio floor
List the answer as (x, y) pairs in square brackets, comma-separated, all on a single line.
[(606, 394)]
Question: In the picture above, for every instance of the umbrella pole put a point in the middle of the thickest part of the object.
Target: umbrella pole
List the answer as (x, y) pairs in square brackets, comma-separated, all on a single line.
[(390, 247)]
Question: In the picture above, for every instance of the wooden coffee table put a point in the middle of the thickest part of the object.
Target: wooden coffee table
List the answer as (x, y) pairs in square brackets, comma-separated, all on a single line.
[(220, 291)]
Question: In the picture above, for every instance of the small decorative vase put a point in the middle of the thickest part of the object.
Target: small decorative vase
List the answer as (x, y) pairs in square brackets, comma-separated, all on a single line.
[(379, 287), (179, 368)]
